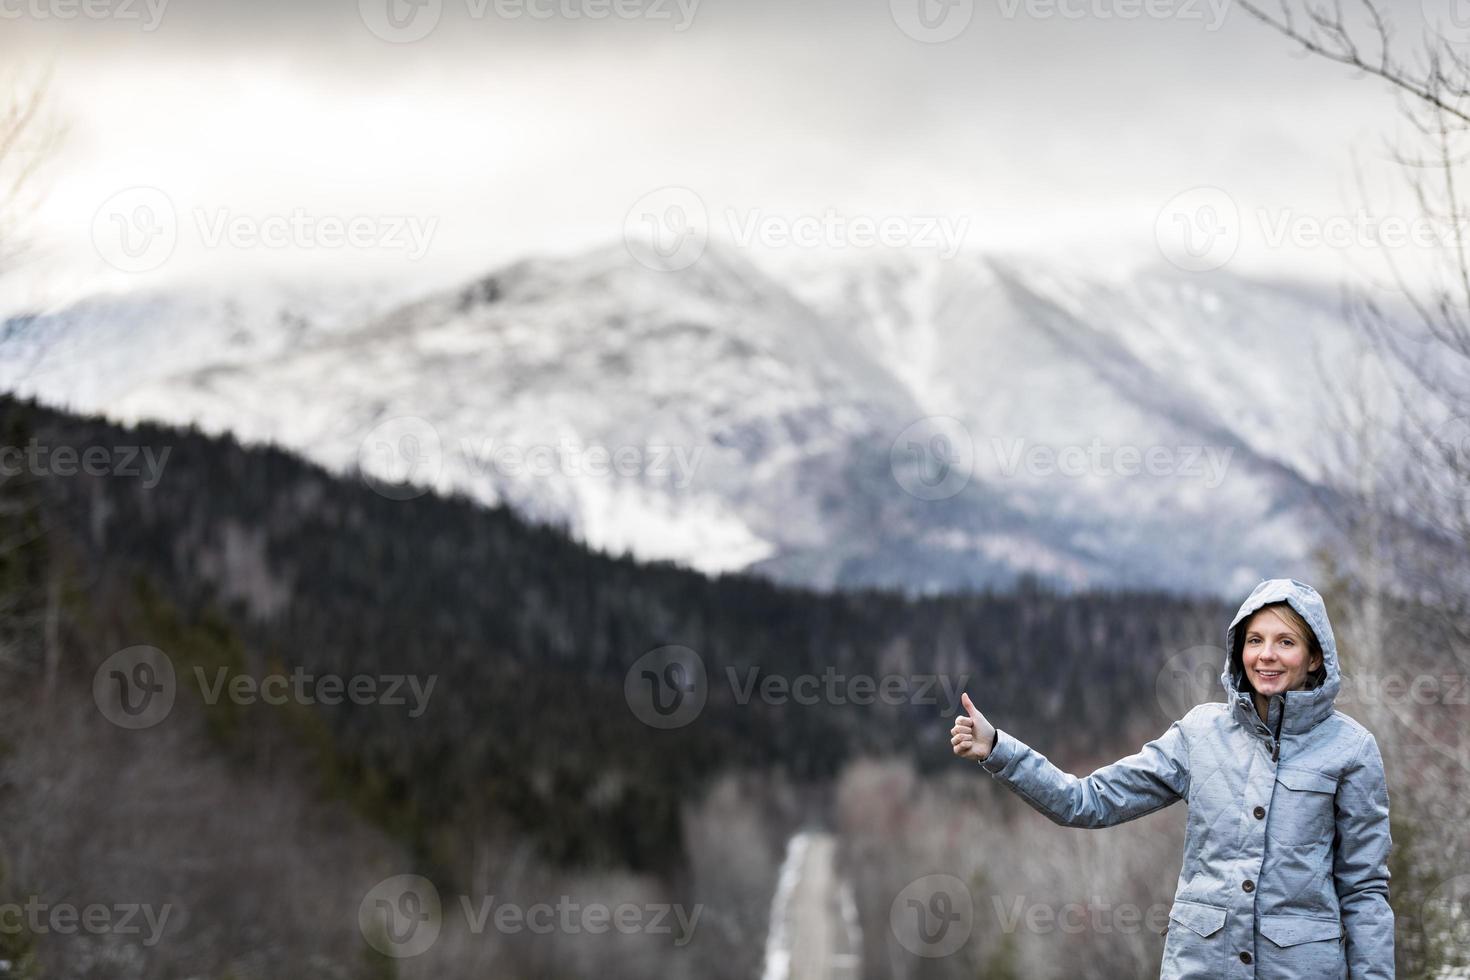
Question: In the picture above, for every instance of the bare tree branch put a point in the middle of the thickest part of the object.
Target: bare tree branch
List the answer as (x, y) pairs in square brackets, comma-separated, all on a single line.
[(1330, 36), (26, 141)]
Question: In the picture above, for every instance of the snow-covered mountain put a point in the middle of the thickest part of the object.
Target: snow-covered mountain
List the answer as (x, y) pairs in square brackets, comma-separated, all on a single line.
[(99, 351), (900, 420)]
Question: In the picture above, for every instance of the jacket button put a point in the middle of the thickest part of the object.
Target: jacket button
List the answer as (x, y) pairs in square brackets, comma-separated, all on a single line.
[(1248, 885), (1245, 957), (1259, 813)]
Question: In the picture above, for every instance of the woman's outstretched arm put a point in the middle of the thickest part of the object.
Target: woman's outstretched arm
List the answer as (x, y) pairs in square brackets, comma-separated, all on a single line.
[(1148, 780)]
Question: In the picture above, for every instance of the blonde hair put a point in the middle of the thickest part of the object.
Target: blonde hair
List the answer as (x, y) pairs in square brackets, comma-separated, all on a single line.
[(1297, 622)]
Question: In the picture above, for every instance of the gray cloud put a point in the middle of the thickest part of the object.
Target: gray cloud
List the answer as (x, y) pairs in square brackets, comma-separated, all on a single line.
[(518, 132)]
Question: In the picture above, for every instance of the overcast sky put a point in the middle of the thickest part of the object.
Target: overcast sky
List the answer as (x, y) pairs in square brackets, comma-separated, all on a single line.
[(1050, 127)]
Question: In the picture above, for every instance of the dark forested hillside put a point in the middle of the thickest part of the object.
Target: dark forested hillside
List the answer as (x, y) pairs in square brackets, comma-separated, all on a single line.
[(251, 561)]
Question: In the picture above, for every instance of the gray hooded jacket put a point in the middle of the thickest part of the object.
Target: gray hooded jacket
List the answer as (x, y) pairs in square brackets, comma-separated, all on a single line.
[(1285, 871)]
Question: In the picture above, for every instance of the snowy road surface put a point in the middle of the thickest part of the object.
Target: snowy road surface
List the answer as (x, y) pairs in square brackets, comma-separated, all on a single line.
[(814, 931)]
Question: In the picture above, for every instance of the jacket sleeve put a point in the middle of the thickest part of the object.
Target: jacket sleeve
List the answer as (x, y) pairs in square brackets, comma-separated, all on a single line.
[(1360, 865), (1148, 780)]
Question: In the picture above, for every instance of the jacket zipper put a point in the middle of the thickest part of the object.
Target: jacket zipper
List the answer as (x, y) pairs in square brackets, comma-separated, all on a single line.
[(1275, 742), (1276, 745)]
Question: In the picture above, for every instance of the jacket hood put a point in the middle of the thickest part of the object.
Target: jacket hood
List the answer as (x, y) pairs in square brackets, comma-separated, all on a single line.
[(1304, 709)]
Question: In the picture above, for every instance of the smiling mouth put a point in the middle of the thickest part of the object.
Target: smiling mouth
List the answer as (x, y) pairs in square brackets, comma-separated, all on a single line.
[(1269, 675)]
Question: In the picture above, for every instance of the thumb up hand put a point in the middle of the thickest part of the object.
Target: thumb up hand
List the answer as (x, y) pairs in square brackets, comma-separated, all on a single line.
[(972, 736)]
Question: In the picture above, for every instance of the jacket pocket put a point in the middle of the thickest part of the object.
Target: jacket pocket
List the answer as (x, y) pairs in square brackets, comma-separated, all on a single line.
[(1293, 930), (1302, 807), (1302, 946), (1206, 920), (1194, 945)]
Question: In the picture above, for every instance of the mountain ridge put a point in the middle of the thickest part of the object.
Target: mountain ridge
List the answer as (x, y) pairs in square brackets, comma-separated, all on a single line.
[(794, 395)]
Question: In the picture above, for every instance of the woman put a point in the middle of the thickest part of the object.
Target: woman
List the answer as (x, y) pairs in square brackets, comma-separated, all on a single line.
[(1285, 870)]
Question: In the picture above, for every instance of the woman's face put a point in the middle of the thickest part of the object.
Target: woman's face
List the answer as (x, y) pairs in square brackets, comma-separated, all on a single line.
[(1275, 655)]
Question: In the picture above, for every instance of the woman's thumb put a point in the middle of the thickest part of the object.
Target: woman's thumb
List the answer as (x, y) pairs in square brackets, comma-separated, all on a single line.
[(969, 705)]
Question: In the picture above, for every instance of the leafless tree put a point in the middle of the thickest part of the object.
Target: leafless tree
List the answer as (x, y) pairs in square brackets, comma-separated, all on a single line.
[(29, 607), (1403, 558), (27, 139), (1433, 86)]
